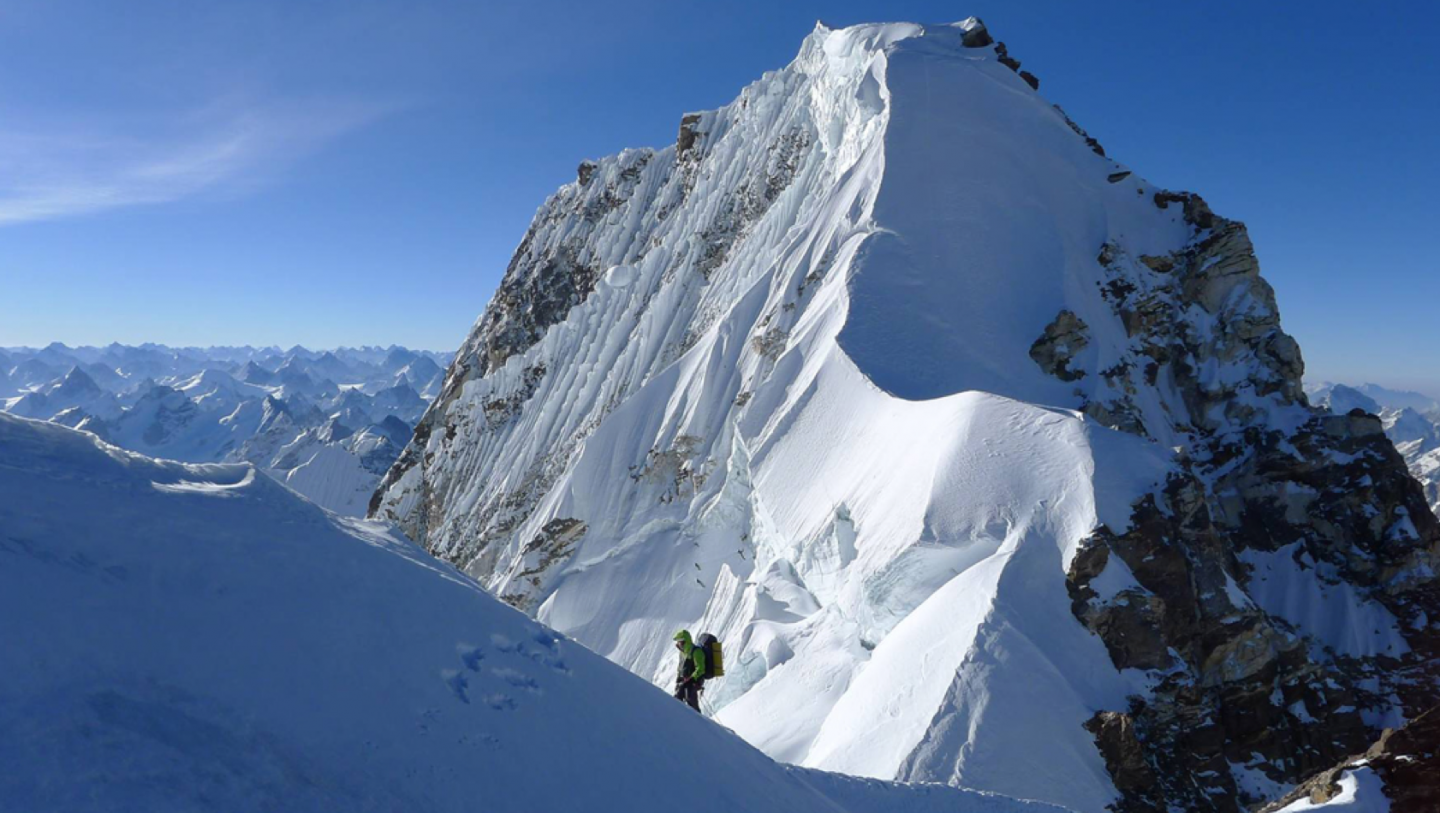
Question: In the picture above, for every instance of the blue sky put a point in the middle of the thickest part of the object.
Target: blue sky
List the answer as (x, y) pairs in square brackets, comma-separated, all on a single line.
[(327, 173)]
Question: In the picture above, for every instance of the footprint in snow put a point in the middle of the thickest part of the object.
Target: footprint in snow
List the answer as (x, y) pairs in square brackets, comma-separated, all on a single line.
[(458, 683), (551, 660), (549, 653), (546, 654), (519, 680), (542, 647), (499, 702), (471, 656)]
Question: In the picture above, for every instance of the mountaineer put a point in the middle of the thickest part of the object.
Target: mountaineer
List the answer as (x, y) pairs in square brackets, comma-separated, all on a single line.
[(699, 661)]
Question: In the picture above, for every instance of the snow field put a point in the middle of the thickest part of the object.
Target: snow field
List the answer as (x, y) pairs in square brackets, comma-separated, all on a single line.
[(199, 637)]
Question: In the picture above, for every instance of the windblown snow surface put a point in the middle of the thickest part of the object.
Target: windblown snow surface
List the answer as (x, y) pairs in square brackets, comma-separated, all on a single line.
[(197, 637), (798, 411)]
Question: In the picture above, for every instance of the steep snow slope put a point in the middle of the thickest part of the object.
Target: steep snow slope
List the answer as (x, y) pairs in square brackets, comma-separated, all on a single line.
[(197, 637), (333, 477), (852, 375)]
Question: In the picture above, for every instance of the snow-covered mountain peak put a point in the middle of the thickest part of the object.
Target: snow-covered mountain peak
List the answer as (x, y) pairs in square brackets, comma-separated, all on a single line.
[(75, 383), (880, 373)]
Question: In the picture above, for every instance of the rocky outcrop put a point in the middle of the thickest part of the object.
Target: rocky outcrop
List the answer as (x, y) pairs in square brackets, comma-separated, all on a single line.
[(771, 343), (689, 132), (1189, 314), (546, 550), (1231, 684), (555, 267), (749, 203), (1406, 760), (1063, 339), (976, 35), (501, 409), (1235, 688), (1080, 131), (1124, 755), (1227, 683), (542, 288), (1002, 55)]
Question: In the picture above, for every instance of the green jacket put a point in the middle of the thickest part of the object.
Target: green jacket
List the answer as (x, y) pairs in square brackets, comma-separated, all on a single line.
[(692, 658)]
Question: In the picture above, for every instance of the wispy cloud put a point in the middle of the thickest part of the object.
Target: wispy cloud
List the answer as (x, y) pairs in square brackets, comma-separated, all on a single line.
[(227, 148)]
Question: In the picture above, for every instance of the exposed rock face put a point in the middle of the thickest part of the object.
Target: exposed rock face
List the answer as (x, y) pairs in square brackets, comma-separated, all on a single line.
[(976, 36), (501, 409), (1416, 434), (1188, 314), (1124, 755), (688, 133), (1236, 686), (553, 545), (1225, 678), (539, 289), (1080, 131), (1056, 350), (1002, 55), (1407, 761)]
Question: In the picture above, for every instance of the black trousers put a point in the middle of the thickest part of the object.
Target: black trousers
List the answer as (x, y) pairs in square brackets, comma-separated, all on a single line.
[(690, 693)]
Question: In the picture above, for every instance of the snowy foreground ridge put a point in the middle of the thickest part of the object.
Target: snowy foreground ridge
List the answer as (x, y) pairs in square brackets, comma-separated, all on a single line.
[(198, 637), (980, 453)]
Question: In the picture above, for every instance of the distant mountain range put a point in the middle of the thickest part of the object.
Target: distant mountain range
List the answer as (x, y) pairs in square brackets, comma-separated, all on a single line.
[(1411, 421), (327, 423), (1380, 396)]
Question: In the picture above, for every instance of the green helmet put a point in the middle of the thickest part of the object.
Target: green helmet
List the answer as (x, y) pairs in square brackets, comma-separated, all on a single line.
[(684, 636)]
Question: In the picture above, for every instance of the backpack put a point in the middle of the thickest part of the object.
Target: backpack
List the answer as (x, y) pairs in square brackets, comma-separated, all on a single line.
[(714, 657)]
